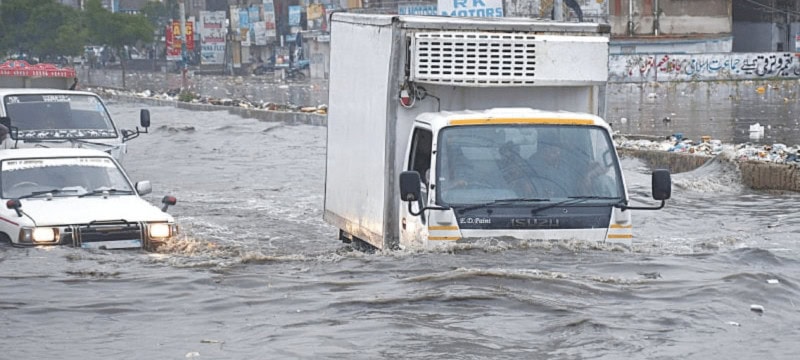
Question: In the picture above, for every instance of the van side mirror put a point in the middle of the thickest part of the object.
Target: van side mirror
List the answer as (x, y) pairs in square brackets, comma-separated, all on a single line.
[(144, 121), (144, 118), (144, 187)]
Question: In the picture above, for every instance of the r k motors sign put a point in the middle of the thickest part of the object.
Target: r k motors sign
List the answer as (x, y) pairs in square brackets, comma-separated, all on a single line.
[(471, 8)]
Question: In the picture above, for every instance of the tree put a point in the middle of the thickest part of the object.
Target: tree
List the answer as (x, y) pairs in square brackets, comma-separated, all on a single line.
[(160, 13), (39, 28), (117, 30), (60, 29)]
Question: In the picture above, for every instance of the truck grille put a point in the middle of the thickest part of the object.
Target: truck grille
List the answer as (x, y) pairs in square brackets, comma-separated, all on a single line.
[(106, 231), (473, 58)]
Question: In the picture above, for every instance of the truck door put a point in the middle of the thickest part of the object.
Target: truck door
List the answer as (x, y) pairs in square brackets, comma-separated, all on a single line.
[(413, 228)]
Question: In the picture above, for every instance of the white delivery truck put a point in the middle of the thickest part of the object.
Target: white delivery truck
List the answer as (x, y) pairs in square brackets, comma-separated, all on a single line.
[(40, 109), (445, 129)]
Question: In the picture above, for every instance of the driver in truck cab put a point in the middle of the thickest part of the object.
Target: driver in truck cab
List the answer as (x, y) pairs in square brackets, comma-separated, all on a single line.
[(556, 168)]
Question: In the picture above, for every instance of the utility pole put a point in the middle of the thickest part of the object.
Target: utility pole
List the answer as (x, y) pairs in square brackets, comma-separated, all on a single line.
[(184, 57), (558, 10)]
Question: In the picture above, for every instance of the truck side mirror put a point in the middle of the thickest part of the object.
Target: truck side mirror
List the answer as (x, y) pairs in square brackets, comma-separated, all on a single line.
[(662, 190), (662, 184), (144, 118), (409, 186)]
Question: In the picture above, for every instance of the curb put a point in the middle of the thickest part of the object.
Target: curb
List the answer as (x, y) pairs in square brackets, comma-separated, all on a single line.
[(291, 118), (757, 175)]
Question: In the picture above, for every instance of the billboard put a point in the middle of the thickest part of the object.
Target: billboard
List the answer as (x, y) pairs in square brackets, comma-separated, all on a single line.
[(173, 39), (471, 8), (212, 37)]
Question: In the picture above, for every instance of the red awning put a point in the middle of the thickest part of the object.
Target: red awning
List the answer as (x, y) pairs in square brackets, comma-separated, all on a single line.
[(22, 68)]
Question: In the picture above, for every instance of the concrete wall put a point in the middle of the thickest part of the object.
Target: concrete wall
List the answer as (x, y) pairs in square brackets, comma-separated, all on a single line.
[(661, 44), (757, 175), (292, 118), (593, 10), (674, 162), (676, 17), (705, 67), (251, 88)]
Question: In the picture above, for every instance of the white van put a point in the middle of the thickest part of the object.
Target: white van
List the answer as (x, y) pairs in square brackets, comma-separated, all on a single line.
[(63, 118)]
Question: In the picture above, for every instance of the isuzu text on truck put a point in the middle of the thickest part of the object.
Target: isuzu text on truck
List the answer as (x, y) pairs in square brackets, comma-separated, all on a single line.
[(446, 129)]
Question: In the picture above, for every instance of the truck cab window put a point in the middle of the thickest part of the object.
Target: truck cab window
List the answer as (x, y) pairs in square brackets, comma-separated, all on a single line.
[(420, 156)]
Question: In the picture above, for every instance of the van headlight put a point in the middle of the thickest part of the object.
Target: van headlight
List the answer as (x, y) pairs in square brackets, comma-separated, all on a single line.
[(161, 230), (38, 235)]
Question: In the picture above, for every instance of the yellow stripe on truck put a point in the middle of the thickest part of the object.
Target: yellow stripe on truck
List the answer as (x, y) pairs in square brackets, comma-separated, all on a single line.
[(445, 238), (434, 228), (548, 121), (444, 233), (619, 231), (620, 236)]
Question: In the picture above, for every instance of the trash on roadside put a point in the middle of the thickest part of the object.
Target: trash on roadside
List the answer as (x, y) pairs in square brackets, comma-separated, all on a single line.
[(757, 308), (773, 281), (733, 323), (756, 131)]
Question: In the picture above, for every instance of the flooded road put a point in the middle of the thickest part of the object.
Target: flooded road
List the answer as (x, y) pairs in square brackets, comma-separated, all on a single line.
[(258, 274), (722, 110)]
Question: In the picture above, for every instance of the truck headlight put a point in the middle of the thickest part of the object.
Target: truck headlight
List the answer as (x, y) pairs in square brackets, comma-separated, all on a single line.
[(38, 235), (160, 230)]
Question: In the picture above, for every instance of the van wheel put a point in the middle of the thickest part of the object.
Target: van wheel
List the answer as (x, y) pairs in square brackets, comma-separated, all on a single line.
[(5, 239)]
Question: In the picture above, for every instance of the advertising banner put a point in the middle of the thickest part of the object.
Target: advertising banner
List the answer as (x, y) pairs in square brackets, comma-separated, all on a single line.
[(260, 33), (173, 39), (269, 20), (254, 15), (212, 37), (316, 17), (244, 26), (471, 8), (426, 9)]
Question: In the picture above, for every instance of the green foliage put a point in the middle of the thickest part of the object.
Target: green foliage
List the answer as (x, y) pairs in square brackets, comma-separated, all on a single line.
[(186, 96), (159, 13), (116, 29), (40, 28)]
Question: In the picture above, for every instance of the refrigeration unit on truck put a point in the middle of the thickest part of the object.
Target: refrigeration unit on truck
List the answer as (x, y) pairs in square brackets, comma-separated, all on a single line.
[(444, 129), (39, 106)]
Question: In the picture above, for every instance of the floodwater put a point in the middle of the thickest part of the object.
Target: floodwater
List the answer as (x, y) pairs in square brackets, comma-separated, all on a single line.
[(259, 275), (722, 110)]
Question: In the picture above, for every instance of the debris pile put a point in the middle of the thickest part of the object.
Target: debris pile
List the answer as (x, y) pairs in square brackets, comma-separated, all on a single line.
[(777, 153), (177, 95)]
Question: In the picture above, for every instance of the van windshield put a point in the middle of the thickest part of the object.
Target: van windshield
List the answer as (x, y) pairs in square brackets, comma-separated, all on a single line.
[(65, 176), (58, 116), (484, 163)]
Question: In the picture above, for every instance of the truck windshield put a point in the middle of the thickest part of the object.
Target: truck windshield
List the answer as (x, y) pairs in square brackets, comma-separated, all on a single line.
[(526, 163), (64, 176), (58, 116)]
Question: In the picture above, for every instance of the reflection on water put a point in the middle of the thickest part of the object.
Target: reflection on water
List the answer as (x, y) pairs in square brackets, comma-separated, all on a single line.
[(722, 110)]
